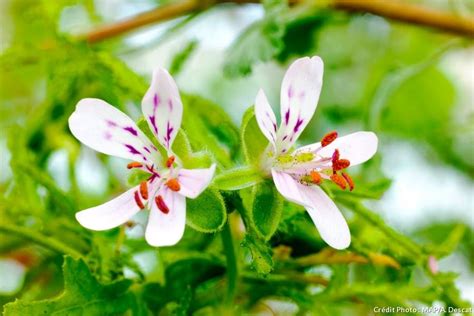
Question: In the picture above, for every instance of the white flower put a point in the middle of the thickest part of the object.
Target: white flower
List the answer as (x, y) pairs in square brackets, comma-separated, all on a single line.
[(297, 173), (104, 128)]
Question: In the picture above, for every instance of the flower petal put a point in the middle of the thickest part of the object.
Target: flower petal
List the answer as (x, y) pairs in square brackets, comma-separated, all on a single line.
[(265, 117), (290, 188), (356, 147), (331, 225), (110, 214), (167, 229), (299, 97), (326, 216), (162, 107), (194, 181), (106, 129)]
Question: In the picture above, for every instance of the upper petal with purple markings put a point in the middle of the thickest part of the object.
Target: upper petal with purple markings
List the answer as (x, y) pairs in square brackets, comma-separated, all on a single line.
[(106, 129), (265, 117), (299, 97), (162, 107)]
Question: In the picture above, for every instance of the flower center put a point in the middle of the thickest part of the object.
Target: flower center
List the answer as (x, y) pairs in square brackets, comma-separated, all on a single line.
[(310, 168), (167, 177)]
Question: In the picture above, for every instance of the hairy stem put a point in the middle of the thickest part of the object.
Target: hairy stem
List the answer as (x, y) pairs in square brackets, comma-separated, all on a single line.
[(231, 260), (40, 239)]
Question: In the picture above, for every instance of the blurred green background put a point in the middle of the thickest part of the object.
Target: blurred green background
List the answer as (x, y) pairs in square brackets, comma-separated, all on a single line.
[(412, 85)]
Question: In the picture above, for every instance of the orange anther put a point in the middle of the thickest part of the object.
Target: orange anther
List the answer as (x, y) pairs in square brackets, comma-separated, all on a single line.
[(134, 164), (349, 180), (144, 190), (173, 184), (339, 180), (341, 164), (160, 203), (138, 200), (170, 161), (328, 138), (315, 177)]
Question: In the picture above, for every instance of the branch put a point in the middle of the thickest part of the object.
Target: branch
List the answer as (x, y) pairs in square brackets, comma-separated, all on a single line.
[(395, 10), (412, 14)]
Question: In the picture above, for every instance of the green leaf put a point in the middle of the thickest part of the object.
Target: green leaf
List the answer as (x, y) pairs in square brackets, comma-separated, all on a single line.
[(261, 253), (208, 127), (83, 295), (179, 60), (261, 41), (254, 142), (266, 209), (237, 178), (207, 212)]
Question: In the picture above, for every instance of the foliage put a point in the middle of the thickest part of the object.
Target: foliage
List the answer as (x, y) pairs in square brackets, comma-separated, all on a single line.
[(243, 243)]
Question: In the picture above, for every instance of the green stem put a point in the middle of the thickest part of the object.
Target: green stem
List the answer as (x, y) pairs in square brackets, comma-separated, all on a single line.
[(231, 259), (290, 278), (40, 239)]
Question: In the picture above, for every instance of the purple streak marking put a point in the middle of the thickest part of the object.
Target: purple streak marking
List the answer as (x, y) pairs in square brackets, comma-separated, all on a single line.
[(169, 130), (274, 126), (147, 150), (170, 104), (131, 130), (111, 123), (287, 116), (285, 137), (298, 125), (132, 149), (290, 92), (153, 123), (156, 101), (108, 135)]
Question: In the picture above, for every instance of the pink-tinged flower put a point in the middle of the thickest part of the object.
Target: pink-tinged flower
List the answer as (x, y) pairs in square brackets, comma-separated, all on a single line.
[(106, 129), (298, 173)]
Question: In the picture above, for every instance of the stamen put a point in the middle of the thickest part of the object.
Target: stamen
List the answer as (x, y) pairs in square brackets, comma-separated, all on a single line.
[(339, 180), (160, 203), (144, 190), (341, 164), (328, 138), (139, 201), (130, 224), (170, 161), (335, 156), (315, 177), (173, 184), (349, 180), (134, 164)]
